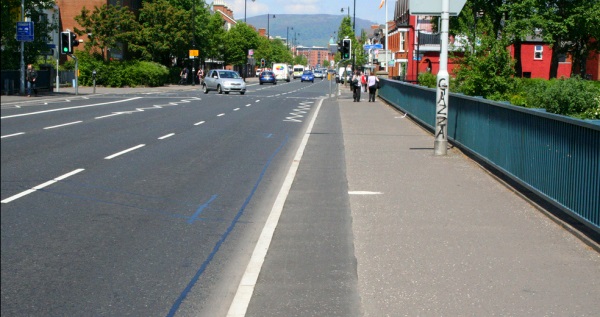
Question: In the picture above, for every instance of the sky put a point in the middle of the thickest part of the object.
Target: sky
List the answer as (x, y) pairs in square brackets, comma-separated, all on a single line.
[(365, 9)]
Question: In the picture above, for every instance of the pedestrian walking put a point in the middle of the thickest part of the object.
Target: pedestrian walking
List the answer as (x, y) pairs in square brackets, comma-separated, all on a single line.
[(200, 76), (372, 82), (31, 77), (356, 86), (183, 75), (363, 81)]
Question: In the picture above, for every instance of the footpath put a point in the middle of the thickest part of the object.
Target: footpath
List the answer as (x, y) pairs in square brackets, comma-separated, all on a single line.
[(440, 236)]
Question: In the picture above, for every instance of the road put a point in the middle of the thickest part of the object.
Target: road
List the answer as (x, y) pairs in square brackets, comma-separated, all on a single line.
[(145, 204)]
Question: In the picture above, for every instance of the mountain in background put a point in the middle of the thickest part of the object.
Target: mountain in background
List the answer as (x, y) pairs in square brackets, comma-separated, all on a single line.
[(311, 29)]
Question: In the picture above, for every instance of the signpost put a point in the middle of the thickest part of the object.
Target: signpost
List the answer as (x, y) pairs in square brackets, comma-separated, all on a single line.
[(25, 31), (445, 9), (24, 34)]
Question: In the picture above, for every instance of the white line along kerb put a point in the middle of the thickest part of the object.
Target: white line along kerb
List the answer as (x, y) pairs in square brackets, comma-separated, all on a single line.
[(239, 306)]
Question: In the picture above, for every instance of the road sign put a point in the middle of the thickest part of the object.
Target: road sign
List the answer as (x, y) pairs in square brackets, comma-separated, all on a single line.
[(372, 46), (194, 54), (25, 31), (434, 7)]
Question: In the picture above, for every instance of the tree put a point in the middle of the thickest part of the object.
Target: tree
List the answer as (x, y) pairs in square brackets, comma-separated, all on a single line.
[(584, 36), (110, 26), (237, 42), (163, 32), (212, 46), (345, 30)]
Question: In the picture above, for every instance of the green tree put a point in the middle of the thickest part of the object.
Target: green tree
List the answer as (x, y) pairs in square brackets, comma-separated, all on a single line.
[(488, 72), (345, 30), (212, 46), (280, 53), (44, 25), (163, 32), (109, 26), (237, 42)]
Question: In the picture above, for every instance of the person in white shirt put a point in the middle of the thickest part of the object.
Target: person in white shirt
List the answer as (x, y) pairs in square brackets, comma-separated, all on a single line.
[(372, 81)]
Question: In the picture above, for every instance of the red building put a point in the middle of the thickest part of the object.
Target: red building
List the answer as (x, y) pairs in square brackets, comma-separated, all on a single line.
[(416, 49)]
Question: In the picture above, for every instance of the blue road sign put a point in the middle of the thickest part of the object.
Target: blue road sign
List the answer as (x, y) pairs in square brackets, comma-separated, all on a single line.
[(372, 46), (25, 31)]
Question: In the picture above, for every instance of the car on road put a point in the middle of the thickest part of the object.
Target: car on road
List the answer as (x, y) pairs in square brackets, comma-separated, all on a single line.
[(267, 77), (307, 76), (319, 73), (224, 81)]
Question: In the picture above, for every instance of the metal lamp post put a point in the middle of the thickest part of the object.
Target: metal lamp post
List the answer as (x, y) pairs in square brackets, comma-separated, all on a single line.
[(268, 18), (287, 36), (245, 4)]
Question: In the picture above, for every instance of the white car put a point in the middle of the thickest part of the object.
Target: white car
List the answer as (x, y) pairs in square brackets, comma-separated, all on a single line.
[(224, 81), (318, 73)]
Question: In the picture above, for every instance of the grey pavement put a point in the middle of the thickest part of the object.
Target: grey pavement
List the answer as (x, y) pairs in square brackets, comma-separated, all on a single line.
[(440, 236)]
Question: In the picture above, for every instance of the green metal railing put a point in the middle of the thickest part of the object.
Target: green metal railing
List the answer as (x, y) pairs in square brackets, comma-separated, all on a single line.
[(555, 156)]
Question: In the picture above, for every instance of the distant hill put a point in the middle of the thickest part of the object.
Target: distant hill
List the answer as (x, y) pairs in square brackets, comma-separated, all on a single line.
[(311, 29)]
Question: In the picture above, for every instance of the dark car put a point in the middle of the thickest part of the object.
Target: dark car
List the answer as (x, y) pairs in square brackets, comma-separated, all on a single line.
[(307, 76), (267, 77)]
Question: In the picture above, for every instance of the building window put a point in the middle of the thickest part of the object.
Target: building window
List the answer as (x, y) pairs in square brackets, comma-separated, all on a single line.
[(537, 54), (402, 42), (562, 58)]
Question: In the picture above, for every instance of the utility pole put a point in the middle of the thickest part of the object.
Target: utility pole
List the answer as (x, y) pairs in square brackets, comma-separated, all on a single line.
[(441, 109)]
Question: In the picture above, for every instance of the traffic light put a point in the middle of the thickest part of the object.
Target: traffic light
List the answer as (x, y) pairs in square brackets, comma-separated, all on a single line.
[(346, 49), (66, 44), (74, 41), (340, 48), (262, 63)]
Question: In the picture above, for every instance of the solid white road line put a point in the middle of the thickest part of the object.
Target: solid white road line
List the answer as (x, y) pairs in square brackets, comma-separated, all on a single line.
[(244, 292), (125, 151), (70, 108), (62, 125), (14, 134), (166, 136), (38, 187)]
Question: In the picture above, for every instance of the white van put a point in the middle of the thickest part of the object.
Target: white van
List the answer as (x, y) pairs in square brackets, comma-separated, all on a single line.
[(298, 71), (281, 71)]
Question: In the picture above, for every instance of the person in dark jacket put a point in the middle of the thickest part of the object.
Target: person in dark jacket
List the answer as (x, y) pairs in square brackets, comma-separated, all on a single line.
[(31, 77)]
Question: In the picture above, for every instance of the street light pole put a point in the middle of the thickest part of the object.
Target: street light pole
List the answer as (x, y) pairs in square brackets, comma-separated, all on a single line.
[(287, 36), (245, 4), (268, 32)]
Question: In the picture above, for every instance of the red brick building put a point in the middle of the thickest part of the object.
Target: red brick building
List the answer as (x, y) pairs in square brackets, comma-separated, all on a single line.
[(416, 49)]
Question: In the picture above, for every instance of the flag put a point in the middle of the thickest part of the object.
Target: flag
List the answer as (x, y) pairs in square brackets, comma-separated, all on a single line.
[(381, 4)]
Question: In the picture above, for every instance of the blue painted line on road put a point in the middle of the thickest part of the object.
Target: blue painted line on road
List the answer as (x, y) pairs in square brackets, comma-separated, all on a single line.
[(217, 246), (201, 208)]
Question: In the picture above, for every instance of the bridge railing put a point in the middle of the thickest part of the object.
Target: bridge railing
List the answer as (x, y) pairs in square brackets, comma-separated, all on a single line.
[(555, 156)]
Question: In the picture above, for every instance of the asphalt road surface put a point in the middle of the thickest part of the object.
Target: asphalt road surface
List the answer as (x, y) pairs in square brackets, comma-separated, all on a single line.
[(151, 204)]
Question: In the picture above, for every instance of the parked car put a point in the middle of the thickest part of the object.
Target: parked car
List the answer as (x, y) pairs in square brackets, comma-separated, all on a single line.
[(267, 77), (224, 81), (307, 76), (318, 73)]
